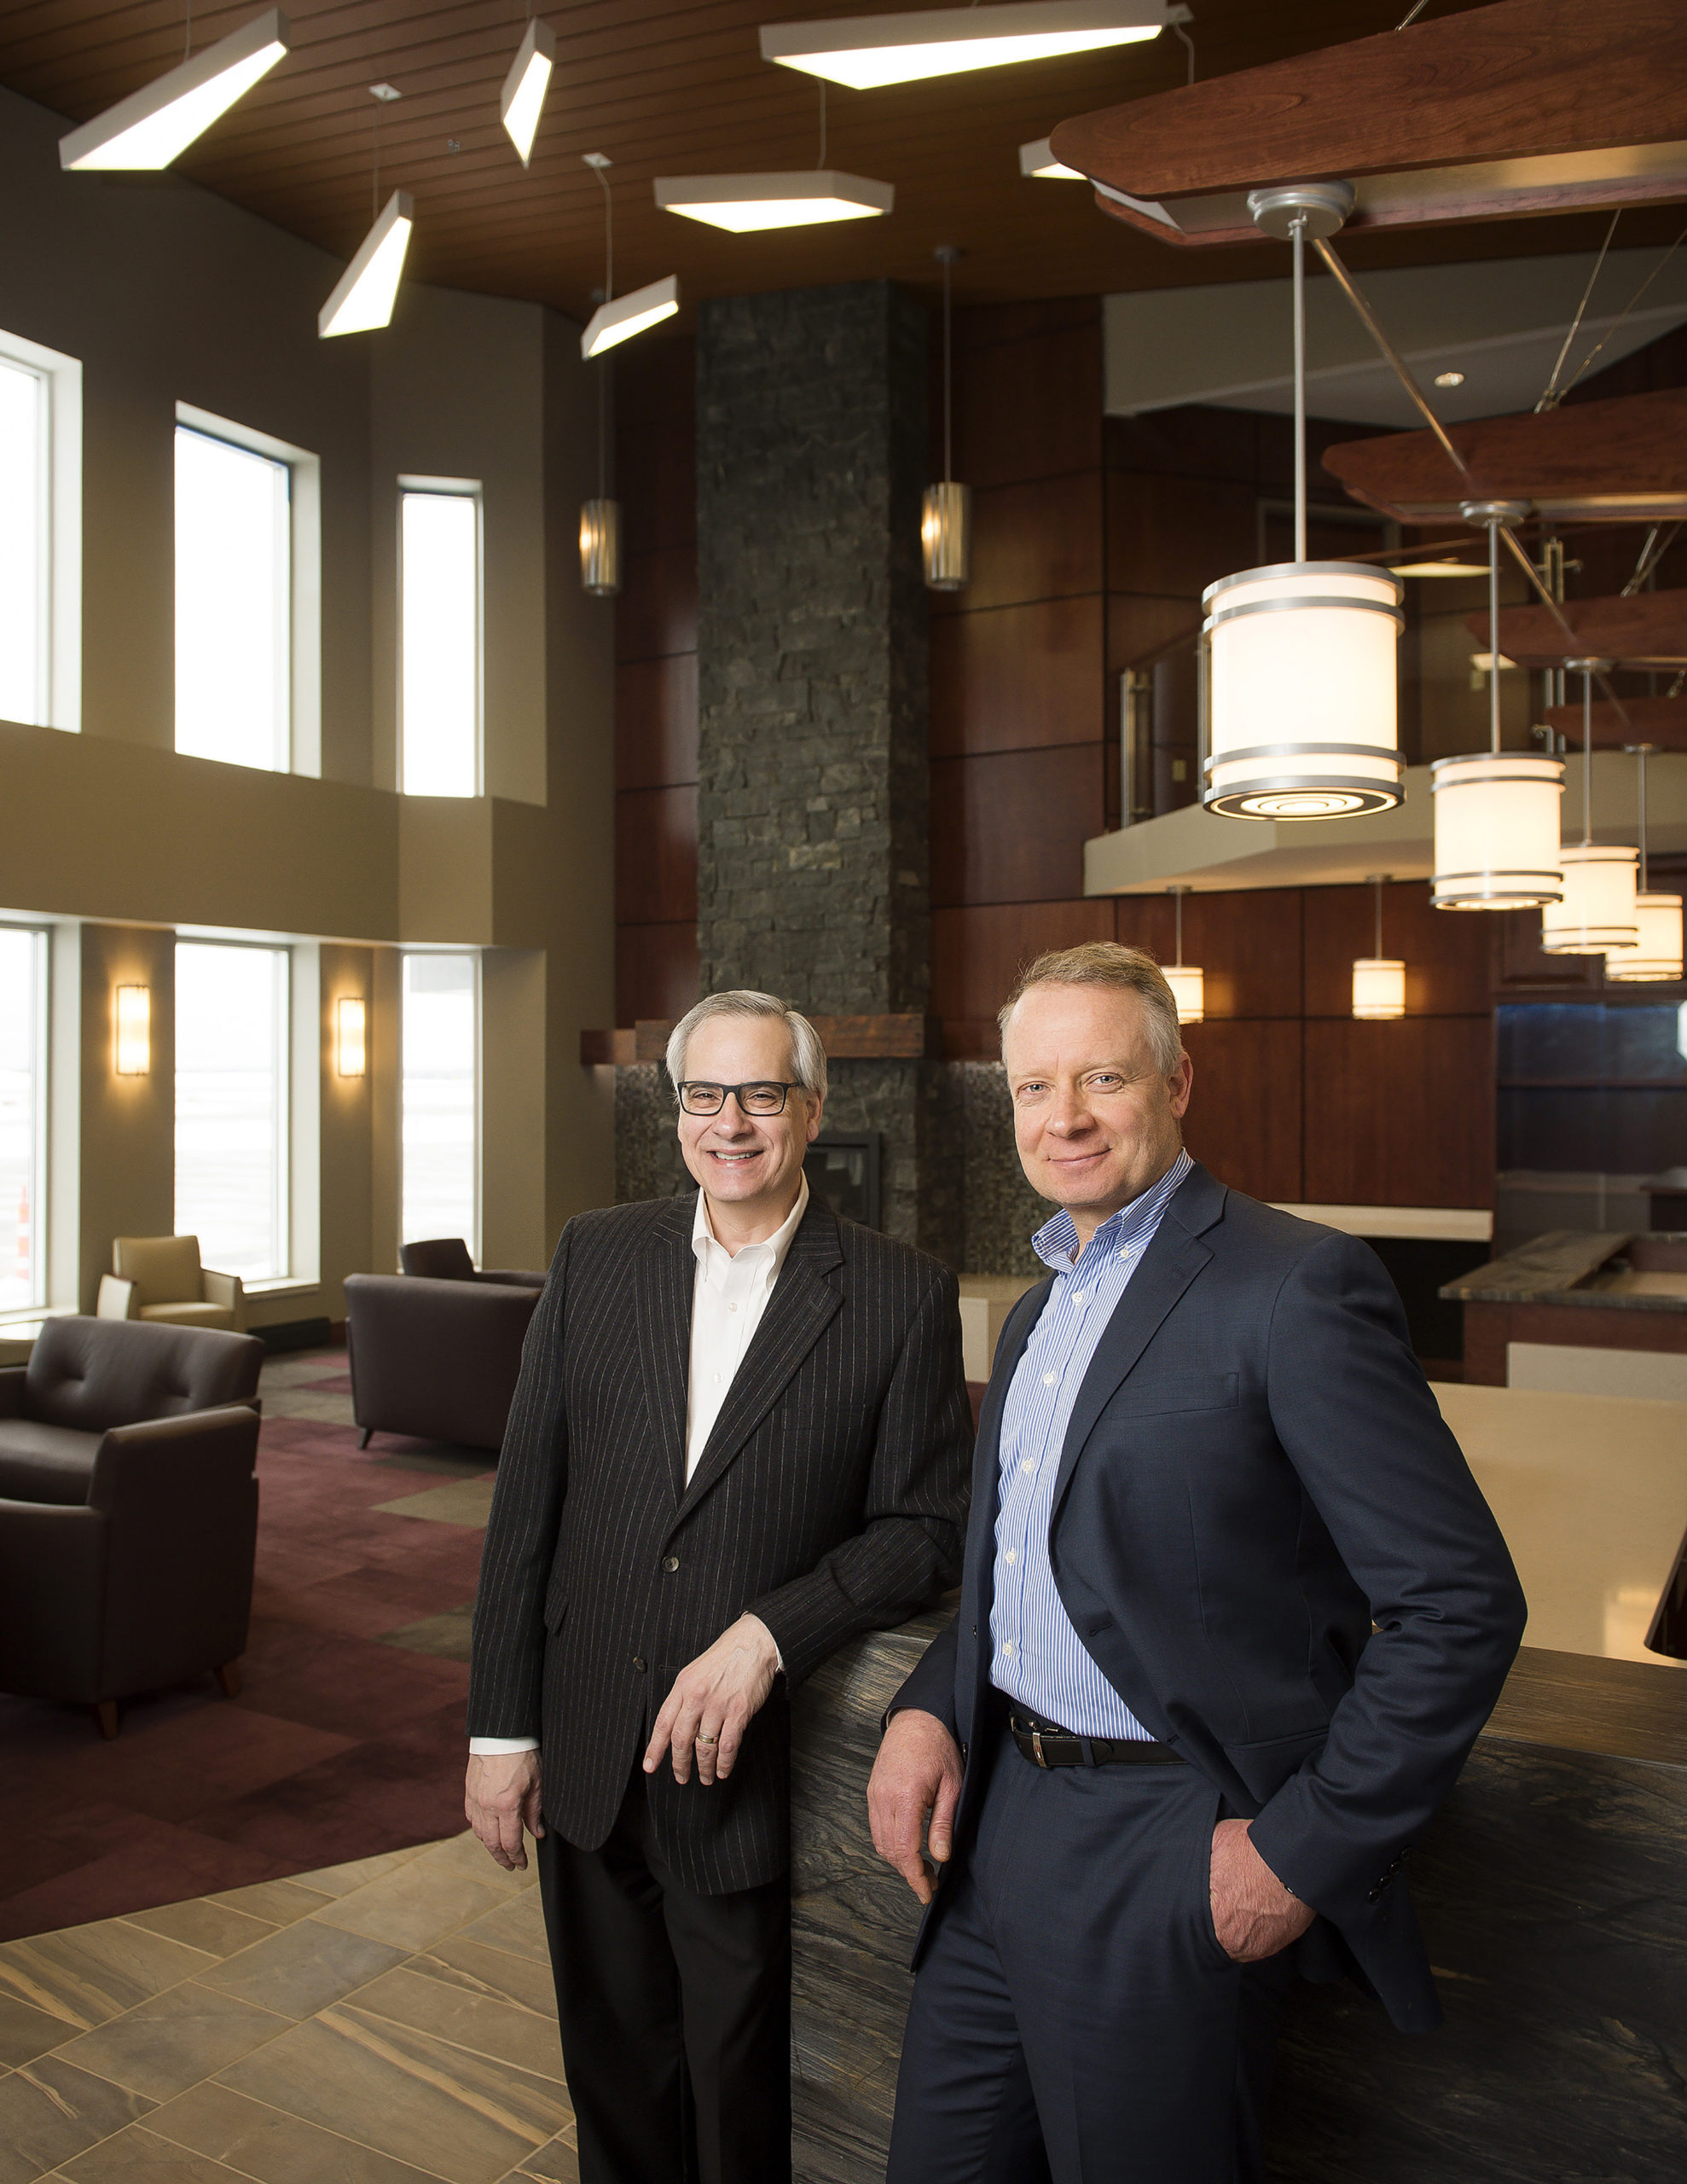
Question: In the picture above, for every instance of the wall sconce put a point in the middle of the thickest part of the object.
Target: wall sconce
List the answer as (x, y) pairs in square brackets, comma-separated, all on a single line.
[(351, 1045), (132, 1040)]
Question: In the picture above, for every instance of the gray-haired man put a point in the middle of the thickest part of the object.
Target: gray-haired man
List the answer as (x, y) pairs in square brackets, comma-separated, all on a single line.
[(741, 1436)]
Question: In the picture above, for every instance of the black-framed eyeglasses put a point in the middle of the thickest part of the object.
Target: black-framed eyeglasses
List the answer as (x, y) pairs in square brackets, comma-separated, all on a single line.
[(760, 1099)]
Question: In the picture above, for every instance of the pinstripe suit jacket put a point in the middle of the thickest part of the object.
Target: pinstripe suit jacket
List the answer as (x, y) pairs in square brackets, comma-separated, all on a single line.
[(831, 1498)]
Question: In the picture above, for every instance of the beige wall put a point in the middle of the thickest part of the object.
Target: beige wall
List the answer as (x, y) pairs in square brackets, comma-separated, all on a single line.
[(167, 295)]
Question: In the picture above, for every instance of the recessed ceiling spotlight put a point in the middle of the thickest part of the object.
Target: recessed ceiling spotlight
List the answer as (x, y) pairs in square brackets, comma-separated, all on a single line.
[(742, 203), (1449, 378), (1038, 159), (868, 50)]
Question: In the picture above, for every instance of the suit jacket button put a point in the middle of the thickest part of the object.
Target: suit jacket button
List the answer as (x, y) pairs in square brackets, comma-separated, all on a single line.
[(670, 1562), (638, 1662), (1373, 1896)]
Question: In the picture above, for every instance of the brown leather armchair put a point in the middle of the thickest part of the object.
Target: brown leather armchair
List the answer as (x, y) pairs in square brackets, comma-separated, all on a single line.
[(128, 1510), (434, 1358), (445, 1258)]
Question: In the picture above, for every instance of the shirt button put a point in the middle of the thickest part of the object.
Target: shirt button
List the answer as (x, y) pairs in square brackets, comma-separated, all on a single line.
[(1048, 1379), (1011, 1557), (717, 1379), (1080, 1296), (1008, 1649), (670, 1562), (1027, 1466), (732, 1308)]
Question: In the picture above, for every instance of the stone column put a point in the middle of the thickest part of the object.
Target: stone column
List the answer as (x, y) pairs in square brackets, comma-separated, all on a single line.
[(812, 770)]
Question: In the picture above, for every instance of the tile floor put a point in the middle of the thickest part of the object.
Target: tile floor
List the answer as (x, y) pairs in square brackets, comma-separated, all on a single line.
[(386, 2021)]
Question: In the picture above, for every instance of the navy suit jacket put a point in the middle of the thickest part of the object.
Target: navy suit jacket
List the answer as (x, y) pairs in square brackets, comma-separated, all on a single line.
[(1256, 1472)]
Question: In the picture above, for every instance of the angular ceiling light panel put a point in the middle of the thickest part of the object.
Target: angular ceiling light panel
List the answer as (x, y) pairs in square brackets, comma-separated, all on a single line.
[(363, 295), (743, 203), (1038, 161), (152, 126), (522, 97), (631, 314), (870, 50)]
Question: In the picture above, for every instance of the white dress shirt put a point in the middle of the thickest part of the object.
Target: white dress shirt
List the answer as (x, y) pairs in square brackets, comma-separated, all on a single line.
[(729, 1296)]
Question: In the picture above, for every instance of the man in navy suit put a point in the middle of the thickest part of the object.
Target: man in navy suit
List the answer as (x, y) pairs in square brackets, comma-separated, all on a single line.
[(1232, 1614)]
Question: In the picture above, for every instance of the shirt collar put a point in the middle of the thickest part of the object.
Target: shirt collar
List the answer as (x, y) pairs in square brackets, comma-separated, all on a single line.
[(1056, 1244), (705, 1244)]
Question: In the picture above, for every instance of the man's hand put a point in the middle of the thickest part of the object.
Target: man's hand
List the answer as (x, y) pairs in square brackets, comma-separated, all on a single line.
[(501, 1797), (1254, 1915), (705, 1715), (918, 1771)]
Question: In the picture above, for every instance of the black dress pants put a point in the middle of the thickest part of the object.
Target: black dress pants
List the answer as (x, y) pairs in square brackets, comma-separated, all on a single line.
[(675, 2012), (1075, 2017)]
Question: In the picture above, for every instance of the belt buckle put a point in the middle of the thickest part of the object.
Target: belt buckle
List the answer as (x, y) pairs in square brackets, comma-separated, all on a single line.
[(1037, 1747)]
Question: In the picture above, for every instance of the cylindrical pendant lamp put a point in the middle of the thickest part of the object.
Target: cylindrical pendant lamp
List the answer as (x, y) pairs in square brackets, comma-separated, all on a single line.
[(1655, 959), (601, 548), (946, 535), (1597, 911), (1187, 981), (1304, 707), (1496, 812), (1379, 980)]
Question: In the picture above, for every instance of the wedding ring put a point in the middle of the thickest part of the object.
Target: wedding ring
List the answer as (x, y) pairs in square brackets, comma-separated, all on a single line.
[(706, 1739)]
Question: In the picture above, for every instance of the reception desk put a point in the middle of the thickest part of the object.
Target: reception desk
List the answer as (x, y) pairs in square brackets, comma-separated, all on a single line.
[(1596, 1313), (1553, 1888)]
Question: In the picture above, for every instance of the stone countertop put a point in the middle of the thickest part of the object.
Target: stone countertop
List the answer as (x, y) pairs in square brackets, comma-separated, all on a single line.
[(1564, 1267)]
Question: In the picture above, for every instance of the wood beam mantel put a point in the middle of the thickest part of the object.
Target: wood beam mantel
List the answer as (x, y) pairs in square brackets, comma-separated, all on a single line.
[(846, 1038), (1661, 722), (1647, 631)]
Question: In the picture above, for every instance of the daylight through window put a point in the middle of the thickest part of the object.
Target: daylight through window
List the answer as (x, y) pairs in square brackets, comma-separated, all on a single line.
[(231, 1107), (24, 649), (23, 1118), (234, 618), (441, 1096), (439, 643)]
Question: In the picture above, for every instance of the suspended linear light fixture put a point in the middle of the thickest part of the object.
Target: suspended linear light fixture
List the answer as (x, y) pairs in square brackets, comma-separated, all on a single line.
[(364, 293), (601, 517), (1597, 911), (522, 100), (1379, 980), (150, 128), (619, 318), (746, 203), (946, 510), (1496, 812), (1187, 981), (1038, 162), (1655, 957), (1304, 704), (870, 50)]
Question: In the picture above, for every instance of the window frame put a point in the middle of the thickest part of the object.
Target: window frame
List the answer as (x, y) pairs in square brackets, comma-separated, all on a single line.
[(283, 1153), (302, 648), (41, 1150), (464, 489), (473, 956), (58, 486)]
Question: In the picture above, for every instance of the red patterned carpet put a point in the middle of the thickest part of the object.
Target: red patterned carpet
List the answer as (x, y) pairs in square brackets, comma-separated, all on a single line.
[(346, 1740)]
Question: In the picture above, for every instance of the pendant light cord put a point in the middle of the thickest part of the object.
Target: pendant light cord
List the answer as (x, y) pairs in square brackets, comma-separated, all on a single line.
[(948, 257), (1178, 894), (1493, 530), (188, 38), (1640, 763), (820, 162), (1379, 917), (1587, 758), (1299, 230), (598, 165)]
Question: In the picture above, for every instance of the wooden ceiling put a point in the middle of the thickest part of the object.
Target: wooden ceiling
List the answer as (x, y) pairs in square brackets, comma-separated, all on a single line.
[(676, 90)]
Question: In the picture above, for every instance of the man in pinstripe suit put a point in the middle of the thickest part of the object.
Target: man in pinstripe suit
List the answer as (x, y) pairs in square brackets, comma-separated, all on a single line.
[(1234, 1611), (741, 1436)]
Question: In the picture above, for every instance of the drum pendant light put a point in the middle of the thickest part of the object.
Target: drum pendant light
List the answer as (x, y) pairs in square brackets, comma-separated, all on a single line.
[(946, 510), (1496, 812), (1187, 981), (1597, 911), (1379, 980), (601, 517), (1655, 957), (1304, 697)]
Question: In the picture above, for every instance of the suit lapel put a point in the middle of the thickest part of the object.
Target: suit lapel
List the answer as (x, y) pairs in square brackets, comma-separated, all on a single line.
[(1170, 1263), (668, 1275), (802, 1306)]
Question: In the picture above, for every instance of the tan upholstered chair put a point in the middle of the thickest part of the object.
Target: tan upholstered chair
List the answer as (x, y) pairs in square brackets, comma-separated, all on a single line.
[(168, 1284)]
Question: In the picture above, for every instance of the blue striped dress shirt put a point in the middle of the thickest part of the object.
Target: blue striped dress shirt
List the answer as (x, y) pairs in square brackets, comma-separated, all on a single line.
[(1037, 1656)]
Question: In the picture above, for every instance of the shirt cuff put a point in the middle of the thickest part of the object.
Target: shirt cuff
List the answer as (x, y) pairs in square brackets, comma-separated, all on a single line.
[(500, 1747), (778, 1656)]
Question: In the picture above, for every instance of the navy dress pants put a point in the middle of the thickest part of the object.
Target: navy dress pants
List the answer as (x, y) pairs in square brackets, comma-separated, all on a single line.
[(1073, 2017), (674, 2010)]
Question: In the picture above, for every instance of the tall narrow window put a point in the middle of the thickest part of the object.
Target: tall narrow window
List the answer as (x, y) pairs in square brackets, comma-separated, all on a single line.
[(24, 560), (442, 1104), (439, 640), (231, 1107), (23, 1118), (234, 617)]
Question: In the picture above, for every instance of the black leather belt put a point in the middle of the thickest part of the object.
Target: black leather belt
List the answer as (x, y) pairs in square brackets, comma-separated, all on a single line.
[(1047, 1746)]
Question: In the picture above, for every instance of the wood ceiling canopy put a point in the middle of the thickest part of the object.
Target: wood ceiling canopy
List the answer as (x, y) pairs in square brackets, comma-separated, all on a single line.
[(1621, 461), (1527, 105), (681, 89), (1661, 722), (1647, 631)]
